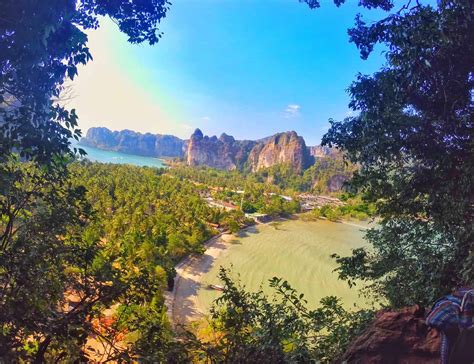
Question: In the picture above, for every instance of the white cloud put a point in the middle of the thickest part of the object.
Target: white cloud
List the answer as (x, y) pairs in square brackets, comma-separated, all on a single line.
[(205, 118), (292, 111)]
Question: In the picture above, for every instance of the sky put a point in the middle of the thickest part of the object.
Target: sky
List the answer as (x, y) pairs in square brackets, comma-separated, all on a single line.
[(249, 68)]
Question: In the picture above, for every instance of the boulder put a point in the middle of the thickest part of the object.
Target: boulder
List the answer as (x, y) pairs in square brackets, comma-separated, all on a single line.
[(400, 337)]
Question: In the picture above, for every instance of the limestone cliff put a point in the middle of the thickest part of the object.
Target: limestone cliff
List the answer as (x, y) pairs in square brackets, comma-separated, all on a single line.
[(127, 141), (319, 151), (224, 152), (282, 148), (227, 153), (336, 181)]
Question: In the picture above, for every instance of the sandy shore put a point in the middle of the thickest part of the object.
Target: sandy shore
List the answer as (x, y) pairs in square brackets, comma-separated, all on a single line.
[(182, 303)]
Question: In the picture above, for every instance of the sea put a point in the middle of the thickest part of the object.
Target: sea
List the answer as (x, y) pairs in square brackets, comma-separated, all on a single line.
[(300, 251), (106, 156)]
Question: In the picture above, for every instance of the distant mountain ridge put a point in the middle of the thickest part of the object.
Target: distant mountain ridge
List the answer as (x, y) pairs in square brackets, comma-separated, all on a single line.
[(131, 142), (224, 152), (320, 151)]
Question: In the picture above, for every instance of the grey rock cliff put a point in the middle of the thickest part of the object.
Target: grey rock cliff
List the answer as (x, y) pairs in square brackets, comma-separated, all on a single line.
[(224, 152), (127, 141), (227, 153), (282, 148)]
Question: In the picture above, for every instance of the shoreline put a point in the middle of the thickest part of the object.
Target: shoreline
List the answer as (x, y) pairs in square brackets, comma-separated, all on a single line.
[(345, 222), (182, 304)]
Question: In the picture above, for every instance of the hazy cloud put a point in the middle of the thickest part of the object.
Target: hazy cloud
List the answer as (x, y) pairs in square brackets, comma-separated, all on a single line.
[(292, 111), (105, 95)]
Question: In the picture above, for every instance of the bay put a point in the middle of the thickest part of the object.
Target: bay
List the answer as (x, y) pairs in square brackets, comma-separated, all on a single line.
[(107, 156), (297, 251)]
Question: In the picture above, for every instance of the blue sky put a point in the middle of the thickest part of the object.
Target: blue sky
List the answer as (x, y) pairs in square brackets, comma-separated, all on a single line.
[(247, 68)]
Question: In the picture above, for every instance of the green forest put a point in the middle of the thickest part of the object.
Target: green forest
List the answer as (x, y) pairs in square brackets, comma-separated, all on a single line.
[(283, 177), (87, 250)]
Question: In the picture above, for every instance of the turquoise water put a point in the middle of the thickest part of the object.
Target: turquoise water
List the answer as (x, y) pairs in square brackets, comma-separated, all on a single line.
[(298, 251), (106, 156)]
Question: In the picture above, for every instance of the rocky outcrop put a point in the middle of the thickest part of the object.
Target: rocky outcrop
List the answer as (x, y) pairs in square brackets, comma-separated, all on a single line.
[(319, 151), (227, 153), (282, 148), (336, 182), (127, 141), (224, 152), (396, 337)]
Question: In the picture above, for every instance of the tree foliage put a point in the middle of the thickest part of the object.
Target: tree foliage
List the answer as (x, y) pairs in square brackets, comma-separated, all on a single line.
[(317, 178), (280, 178), (412, 139), (90, 257), (54, 278), (41, 45), (250, 327), (248, 191), (412, 258), (41, 259)]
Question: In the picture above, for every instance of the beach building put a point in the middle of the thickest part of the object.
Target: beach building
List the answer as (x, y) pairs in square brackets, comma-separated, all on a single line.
[(311, 202), (259, 218), (220, 204)]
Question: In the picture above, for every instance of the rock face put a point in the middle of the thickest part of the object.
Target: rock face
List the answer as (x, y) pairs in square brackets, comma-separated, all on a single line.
[(336, 182), (127, 141), (224, 152), (282, 148), (320, 151), (227, 153), (396, 337)]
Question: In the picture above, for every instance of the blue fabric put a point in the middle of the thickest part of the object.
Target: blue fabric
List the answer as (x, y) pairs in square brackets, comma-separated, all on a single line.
[(466, 316), (444, 349), (445, 313), (451, 315), (453, 311)]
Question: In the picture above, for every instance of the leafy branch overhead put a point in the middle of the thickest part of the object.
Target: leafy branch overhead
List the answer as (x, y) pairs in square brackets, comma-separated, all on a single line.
[(412, 139), (41, 46)]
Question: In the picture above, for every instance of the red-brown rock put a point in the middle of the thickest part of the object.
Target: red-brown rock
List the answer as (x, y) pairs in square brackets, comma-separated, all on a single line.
[(400, 337)]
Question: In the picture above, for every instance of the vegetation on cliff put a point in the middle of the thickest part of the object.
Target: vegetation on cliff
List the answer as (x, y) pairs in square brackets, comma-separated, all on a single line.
[(127, 141), (325, 176)]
